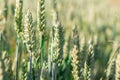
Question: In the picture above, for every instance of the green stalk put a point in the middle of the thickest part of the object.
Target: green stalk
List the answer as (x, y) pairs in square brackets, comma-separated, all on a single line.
[(17, 65), (31, 76), (54, 72)]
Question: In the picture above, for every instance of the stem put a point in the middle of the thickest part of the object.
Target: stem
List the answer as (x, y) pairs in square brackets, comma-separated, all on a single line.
[(39, 74), (30, 63), (17, 65), (42, 53), (54, 71), (42, 46)]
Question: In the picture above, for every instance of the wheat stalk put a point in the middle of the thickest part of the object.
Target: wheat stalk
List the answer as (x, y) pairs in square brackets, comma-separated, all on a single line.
[(44, 72)]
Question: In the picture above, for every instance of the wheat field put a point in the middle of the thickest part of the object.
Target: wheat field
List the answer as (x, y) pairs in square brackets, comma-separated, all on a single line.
[(59, 40)]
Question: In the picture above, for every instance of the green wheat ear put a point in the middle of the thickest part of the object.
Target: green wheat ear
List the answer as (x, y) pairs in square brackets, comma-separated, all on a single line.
[(58, 37), (18, 16), (41, 15), (29, 34), (57, 45), (18, 28), (89, 63), (75, 55), (41, 24), (110, 71)]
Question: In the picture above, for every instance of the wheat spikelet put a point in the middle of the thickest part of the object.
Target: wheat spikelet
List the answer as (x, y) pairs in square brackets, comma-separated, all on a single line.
[(87, 72), (75, 63), (88, 75), (29, 31), (110, 71), (57, 45), (24, 69), (29, 36), (82, 50), (82, 55), (18, 16), (117, 67), (90, 58), (65, 50), (75, 55), (58, 37), (41, 22), (18, 28)]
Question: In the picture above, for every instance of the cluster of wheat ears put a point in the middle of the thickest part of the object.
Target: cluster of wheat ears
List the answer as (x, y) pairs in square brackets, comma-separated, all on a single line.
[(49, 56)]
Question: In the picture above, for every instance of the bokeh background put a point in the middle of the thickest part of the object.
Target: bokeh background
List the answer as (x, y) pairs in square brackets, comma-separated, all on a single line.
[(98, 18)]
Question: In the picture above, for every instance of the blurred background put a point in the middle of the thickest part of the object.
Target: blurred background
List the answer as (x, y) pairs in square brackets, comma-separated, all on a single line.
[(98, 18)]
